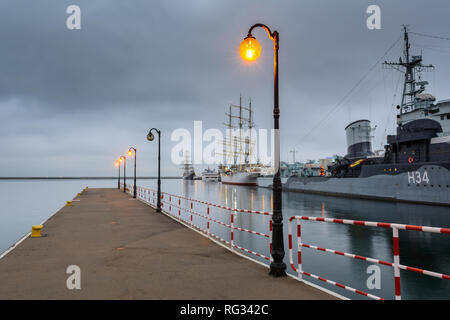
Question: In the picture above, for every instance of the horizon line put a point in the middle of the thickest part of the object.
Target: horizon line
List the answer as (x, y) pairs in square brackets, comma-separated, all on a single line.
[(72, 177)]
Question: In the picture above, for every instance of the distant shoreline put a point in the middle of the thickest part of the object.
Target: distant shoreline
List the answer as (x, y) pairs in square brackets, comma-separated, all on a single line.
[(81, 178)]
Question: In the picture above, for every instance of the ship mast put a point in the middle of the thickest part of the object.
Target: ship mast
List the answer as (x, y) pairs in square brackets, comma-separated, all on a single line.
[(250, 128), (409, 74), (409, 66), (240, 132), (236, 149), (230, 128)]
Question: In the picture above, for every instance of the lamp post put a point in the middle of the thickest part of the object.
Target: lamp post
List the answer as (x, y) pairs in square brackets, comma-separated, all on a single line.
[(130, 153), (151, 137), (117, 164), (250, 49), (124, 172)]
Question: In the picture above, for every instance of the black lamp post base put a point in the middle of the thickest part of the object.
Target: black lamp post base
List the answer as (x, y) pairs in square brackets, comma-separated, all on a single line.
[(277, 269)]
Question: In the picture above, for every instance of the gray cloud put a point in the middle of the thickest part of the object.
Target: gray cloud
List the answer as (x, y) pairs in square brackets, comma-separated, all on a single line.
[(72, 101)]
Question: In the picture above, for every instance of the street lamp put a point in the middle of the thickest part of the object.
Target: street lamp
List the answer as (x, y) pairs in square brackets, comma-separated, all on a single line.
[(124, 159), (250, 50), (117, 164), (130, 153), (151, 137)]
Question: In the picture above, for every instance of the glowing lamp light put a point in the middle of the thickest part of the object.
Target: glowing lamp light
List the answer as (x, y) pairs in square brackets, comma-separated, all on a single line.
[(130, 153), (116, 163), (250, 49)]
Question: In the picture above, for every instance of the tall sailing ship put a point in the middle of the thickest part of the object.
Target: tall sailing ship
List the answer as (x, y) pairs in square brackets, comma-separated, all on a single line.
[(188, 169), (238, 148)]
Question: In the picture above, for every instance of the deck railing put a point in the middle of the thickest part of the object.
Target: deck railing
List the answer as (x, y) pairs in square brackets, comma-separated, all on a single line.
[(198, 215)]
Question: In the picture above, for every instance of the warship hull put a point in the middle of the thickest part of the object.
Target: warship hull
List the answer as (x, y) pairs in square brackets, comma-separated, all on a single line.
[(426, 184), (188, 176)]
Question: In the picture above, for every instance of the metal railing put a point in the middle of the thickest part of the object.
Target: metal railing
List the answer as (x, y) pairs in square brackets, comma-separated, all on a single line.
[(396, 252), (185, 209)]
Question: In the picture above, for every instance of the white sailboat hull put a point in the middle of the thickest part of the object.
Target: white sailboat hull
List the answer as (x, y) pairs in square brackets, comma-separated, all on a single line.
[(240, 178)]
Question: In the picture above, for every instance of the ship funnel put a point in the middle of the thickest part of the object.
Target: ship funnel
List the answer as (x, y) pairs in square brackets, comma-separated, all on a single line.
[(359, 139)]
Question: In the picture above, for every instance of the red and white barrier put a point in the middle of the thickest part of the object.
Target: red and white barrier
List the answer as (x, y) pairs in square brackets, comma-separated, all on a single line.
[(396, 252), (220, 206)]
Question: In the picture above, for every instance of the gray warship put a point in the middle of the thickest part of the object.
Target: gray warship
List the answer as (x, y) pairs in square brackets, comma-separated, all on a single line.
[(415, 164)]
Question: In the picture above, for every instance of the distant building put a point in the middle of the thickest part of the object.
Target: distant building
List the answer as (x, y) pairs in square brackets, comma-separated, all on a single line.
[(290, 169)]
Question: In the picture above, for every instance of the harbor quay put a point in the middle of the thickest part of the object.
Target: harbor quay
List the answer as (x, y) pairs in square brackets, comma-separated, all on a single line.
[(106, 245)]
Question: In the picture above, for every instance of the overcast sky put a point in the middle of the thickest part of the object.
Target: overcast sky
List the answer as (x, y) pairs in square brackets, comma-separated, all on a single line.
[(72, 101)]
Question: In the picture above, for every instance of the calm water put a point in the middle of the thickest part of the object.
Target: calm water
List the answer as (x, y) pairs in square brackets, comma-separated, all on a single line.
[(30, 202)]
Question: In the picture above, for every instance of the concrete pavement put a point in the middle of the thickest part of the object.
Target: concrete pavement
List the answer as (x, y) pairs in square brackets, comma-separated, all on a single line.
[(126, 250)]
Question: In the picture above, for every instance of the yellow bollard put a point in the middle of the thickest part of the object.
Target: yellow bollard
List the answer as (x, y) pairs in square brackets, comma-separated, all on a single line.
[(69, 203), (36, 231)]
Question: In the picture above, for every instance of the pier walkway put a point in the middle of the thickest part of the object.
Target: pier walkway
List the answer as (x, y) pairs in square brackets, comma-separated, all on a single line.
[(126, 250)]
